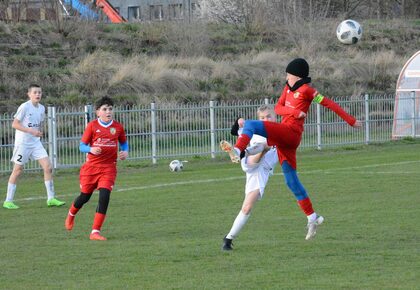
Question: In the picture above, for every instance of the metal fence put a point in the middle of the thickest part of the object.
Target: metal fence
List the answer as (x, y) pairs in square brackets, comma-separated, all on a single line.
[(166, 130)]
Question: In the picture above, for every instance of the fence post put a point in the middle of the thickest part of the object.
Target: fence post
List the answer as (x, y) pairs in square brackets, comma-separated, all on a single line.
[(367, 124), (153, 120), (52, 137), (413, 119), (212, 131), (318, 126), (88, 114), (266, 101)]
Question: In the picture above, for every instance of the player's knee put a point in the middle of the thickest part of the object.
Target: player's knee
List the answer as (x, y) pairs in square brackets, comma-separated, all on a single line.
[(246, 209), (17, 170), (81, 200), (48, 168)]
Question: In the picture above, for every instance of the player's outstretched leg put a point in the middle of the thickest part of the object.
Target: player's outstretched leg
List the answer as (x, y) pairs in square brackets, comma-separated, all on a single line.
[(228, 148), (312, 227)]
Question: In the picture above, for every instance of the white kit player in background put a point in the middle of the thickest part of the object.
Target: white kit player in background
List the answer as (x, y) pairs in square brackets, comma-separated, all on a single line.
[(28, 125), (258, 166)]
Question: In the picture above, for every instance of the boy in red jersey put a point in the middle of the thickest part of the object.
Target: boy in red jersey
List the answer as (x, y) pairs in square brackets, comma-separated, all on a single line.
[(292, 106), (100, 143)]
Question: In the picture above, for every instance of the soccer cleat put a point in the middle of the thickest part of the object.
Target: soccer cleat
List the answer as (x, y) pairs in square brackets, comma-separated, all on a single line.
[(69, 223), (10, 205), (227, 244), (55, 202), (228, 148), (312, 226), (96, 236)]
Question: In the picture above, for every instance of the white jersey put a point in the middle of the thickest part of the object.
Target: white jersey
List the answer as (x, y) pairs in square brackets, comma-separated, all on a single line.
[(29, 116), (257, 174)]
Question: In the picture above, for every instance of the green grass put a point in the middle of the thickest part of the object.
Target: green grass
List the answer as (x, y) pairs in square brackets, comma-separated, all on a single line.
[(165, 229)]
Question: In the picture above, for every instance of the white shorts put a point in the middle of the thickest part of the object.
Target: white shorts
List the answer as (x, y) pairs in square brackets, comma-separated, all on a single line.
[(257, 175), (22, 154)]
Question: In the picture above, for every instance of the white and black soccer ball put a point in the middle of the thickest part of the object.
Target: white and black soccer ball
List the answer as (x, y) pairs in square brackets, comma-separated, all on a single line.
[(349, 32), (176, 166)]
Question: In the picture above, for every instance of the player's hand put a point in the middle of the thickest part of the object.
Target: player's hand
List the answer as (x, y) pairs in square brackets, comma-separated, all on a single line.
[(123, 155), (301, 115), (95, 150), (241, 122), (357, 124), (35, 133)]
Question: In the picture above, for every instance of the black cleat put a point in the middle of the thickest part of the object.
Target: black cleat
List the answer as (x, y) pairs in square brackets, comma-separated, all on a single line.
[(227, 244)]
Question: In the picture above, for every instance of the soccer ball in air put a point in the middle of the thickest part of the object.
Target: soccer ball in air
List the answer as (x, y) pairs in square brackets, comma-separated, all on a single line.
[(349, 31), (176, 166)]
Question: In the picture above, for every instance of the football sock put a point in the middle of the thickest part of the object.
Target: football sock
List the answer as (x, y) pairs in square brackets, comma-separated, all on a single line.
[(73, 210), (312, 217), (242, 142), (49, 185), (306, 206), (104, 195), (98, 221), (11, 189), (238, 224)]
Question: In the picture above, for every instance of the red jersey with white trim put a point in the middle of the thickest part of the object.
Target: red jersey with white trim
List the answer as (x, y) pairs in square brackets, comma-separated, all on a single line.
[(107, 138), (291, 103)]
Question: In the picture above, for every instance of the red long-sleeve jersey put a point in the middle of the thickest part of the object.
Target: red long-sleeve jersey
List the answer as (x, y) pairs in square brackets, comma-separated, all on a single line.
[(291, 103), (107, 138)]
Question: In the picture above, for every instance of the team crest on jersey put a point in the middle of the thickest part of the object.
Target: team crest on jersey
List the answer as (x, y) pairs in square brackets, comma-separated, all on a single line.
[(113, 130), (296, 95)]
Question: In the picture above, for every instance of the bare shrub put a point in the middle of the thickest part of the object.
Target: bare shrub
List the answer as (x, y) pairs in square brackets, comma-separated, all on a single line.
[(188, 40), (130, 78), (172, 81), (94, 71)]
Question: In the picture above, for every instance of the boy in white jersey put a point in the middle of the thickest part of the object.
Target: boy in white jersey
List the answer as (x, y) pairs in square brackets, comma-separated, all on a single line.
[(28, 123), (258, 169)]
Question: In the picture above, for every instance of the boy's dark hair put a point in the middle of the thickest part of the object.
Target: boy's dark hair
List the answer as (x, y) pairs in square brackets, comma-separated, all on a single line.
[(33, 86), (104, 101)]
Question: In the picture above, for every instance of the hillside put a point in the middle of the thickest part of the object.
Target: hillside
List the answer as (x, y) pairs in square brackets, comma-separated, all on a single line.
[(75, 62)]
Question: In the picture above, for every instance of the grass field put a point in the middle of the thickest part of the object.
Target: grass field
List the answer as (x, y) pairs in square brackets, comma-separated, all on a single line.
[(165, 229)]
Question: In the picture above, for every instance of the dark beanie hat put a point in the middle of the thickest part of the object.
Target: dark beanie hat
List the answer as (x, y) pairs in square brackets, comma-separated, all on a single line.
[(298, 67)]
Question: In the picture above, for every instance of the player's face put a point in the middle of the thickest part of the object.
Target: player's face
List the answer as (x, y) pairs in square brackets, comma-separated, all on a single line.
[(105, 113), (35, 95), (267, 115), (292, 79)]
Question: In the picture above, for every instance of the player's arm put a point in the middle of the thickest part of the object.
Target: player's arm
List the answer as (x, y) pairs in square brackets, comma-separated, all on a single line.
[(18, 126), (333, 106), (122, 140), (123, 150)]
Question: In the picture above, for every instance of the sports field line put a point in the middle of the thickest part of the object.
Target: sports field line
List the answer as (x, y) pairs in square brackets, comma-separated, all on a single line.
[(243, 177)]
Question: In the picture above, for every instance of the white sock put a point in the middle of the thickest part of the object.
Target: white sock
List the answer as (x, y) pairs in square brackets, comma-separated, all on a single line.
[(312, 217), (11, 189), (49, 185), (238, 224)]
